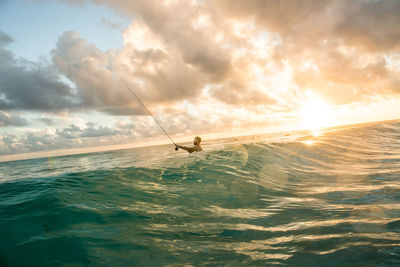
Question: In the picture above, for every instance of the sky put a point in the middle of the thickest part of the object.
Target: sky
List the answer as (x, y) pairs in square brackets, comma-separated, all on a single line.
[(203, 67)]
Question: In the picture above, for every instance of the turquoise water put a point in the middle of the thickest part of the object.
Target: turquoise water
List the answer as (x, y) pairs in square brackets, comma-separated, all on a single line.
[(293, 200)]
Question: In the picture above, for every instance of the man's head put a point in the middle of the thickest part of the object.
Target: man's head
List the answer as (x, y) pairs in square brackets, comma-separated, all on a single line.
[(197, 140)]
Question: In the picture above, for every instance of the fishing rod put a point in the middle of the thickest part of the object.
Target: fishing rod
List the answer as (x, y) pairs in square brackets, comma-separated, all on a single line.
[(148, 111)]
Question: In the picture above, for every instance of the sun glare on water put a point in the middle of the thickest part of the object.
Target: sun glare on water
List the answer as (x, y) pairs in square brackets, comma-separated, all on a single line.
[(315, 114)]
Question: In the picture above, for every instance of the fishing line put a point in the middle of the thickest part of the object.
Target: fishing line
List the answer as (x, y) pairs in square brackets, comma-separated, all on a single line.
[(148, 111)]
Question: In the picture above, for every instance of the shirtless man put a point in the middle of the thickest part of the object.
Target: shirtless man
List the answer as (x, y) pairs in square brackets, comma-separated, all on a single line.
[(195, 148)]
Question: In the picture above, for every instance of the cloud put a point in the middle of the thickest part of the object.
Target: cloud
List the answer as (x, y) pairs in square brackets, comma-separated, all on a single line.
[(5, 38), (374, 21), (197, 120), (11, 144), (87, 67), (208, 65), (174, 30), (74, 131), (11, 120), (100, 131), (175, 49), (30, 142), (297, 20), (36, 86), (153, 75), (321, 32), (336, 48), (65, 138), (342, 76), (70, 132), (26, 85), (107, 23), (47, 121)]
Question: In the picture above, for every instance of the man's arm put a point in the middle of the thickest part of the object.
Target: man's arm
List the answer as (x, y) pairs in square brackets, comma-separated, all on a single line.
[(188, 149)]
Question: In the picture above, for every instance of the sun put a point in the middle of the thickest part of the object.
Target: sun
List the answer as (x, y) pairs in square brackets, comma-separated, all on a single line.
[(315, 114)]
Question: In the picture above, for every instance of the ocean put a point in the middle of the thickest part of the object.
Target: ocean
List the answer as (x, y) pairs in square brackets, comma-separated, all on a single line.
[(327, 198)]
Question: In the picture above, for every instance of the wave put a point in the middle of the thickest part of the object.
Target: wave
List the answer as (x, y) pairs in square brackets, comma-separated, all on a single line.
[(330, 198)]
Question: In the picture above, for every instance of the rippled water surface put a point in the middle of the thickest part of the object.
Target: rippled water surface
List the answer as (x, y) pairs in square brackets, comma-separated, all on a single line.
[(306, 199)]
